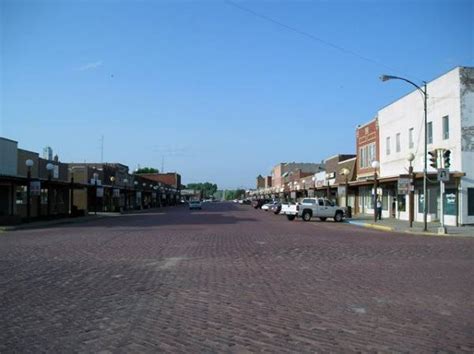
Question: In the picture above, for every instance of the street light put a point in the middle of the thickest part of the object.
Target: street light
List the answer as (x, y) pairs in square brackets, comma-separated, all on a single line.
[(112, 199), (29, 164), (375, 166), (71, 170), (411, 192), (424, 93), (49, 167), (345, 172), (96, 177), (125, 182)]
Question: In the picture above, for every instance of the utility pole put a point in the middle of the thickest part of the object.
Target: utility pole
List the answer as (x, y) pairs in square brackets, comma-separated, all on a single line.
[(102, 149)]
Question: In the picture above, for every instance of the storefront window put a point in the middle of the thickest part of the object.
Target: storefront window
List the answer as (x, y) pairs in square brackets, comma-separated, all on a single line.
[(44, 196), (450, 202), (21, 195), (402, 202), (420, 201)]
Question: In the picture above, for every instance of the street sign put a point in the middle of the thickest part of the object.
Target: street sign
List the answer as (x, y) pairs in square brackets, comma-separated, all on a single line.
[(443, 175), (403, 185)]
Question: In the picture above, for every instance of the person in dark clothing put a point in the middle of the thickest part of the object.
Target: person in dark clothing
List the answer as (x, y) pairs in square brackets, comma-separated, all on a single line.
[(379, 209)]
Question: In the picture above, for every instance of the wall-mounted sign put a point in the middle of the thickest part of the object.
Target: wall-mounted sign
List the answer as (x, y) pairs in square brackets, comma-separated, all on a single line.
[(99, 182), (341, 191), (403, 185)]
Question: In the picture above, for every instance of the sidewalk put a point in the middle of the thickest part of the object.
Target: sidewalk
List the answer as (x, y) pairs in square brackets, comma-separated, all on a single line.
[(61, 221), (391, 224)]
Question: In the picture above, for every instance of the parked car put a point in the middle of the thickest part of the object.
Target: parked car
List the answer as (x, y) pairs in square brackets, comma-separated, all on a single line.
[(315, 207), (257, 203), (268, 205), (195, 204)]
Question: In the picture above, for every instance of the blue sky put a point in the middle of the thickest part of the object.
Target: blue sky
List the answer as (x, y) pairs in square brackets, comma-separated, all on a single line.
[(220, 93)]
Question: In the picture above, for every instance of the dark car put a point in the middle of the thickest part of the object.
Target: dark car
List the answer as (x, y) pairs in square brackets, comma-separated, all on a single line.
[(259, 202)]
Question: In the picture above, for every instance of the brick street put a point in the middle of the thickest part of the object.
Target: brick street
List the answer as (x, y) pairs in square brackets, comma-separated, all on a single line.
[(232, 279)]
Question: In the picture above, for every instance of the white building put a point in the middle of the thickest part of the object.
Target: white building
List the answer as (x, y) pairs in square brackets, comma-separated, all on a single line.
[(450, 126)]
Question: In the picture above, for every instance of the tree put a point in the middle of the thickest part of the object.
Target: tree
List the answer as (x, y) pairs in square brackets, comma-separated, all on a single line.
[(207, 189), (146, 170)]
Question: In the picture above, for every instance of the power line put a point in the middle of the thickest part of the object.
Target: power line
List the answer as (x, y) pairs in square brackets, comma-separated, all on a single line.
[(315, 38)]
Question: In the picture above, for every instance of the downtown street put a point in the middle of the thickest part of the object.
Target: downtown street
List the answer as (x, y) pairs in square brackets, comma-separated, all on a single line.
[(229, 278)]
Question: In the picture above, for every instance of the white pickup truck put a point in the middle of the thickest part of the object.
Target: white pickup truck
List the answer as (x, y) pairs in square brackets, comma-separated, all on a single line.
[(314, 207)]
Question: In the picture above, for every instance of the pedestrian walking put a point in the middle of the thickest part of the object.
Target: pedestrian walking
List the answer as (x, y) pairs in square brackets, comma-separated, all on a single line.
[(379, 209)]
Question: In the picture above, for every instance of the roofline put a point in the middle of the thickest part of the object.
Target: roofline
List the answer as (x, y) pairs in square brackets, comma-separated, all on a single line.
[(352, 158), (360, 126), (10, 140), (427, 83)]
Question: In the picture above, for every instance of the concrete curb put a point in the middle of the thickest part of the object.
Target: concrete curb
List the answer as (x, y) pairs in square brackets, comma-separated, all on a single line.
[(40, 225), (410, 232), (371, 226)]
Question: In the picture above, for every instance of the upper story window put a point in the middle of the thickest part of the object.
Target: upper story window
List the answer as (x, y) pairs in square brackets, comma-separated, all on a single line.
[(387, 148), (429, 131), (366, 155), (446, 127), (397, 142), (411, 139)]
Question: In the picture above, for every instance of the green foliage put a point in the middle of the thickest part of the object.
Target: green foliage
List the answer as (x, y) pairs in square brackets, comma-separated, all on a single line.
[(207, 189), (231, 194), (146, 170)]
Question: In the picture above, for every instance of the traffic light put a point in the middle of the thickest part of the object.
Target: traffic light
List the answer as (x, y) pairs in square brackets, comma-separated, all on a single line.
[(433, 158), (447, 158)]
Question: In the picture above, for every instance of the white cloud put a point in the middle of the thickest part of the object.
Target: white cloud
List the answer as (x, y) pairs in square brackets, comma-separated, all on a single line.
[(91, 66)]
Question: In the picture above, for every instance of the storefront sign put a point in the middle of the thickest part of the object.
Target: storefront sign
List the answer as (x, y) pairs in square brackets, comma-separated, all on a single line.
[(403, 185), (341, 191), (35, 188), (93, 181), (100, 192)]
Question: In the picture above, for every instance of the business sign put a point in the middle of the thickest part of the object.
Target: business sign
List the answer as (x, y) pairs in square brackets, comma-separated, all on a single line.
[(99, 182), (341, 191), (100, 192), (35, 188), (404, 184)]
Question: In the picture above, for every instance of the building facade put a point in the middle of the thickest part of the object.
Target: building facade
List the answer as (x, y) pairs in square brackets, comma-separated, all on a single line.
[(450, 127)]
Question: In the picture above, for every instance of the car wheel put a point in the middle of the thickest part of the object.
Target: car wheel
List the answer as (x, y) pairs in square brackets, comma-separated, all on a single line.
[(291, 217), (323, 218), (306, 215), (338, 217)]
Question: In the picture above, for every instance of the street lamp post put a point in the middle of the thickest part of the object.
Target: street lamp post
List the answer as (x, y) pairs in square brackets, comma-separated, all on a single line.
[(125, 182), (345, 172), (135, 183), (411, 203), (72, 192), (112, 197), (49, 167), (424, 93), (375, 165), (96, 176), (29, 163)]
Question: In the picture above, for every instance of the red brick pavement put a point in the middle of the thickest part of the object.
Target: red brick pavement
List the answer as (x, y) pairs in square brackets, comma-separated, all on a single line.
[(232, 279)]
